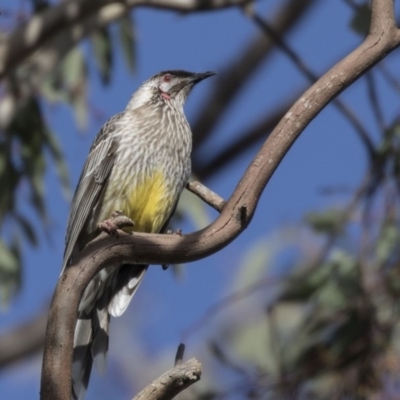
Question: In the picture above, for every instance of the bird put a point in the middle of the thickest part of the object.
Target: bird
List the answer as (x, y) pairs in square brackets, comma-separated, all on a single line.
[(138, 165)]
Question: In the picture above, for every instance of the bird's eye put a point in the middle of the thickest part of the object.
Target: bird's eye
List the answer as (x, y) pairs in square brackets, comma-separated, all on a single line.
[(167, 78)]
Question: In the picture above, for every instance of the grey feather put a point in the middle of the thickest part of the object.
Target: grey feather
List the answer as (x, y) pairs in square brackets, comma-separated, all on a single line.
[(81, 357), (101, 322), (91, 184), (127, 286)]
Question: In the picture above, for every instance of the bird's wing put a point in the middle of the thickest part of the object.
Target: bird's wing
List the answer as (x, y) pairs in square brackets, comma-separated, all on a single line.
[(91, 183)]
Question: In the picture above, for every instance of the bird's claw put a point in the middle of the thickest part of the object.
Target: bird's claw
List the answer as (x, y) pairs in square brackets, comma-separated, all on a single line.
[(116, 221), (109, 227)]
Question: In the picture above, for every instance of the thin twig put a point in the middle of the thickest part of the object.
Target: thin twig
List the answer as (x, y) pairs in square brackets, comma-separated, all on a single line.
[(391, 79), (172, 382), (207, 195), (375, 104)]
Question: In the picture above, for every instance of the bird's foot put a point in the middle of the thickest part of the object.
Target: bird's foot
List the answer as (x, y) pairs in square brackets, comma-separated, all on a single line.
[(116, 221)]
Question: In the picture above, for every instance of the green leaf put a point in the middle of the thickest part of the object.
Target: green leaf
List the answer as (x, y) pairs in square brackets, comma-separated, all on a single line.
[(79, 105), (27, 229), (37, 185), (102, 49), (74, 75), (59, 161), (329, 221), (8, 261), (10, 272), (251, 342), (30, 131), (387, 243), (302, 286), (10, 177), (73, 68), (127, 38), (53, 90), (256, 262)]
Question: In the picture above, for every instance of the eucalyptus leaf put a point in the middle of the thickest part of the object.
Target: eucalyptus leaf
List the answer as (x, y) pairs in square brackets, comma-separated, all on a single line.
[(387, 243), (102, 49), (329, 221), (10, 272), (27, 229), (80, 107), (127, 39), (9, 262), (361, 20), (73, 68), (59, 161)]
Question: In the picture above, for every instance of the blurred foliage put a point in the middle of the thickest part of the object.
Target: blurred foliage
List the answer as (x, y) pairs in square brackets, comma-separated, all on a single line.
[(28, 146), (331, 332), (362, 18), (329, 221)]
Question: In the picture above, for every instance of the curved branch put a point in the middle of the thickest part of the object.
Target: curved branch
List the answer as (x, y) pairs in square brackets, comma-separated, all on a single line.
[(42, 27), (235, 216), (172, 382)]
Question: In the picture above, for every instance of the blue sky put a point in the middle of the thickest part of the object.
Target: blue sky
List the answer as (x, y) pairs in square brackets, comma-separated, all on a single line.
[(328, 153)]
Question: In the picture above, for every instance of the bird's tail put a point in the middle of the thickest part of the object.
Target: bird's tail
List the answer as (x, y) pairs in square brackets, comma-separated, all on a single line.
[(90, 345), (107, 294)]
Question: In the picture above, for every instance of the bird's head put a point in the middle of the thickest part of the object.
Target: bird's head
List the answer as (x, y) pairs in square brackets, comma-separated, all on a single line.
[(168, 86), (177, 84)]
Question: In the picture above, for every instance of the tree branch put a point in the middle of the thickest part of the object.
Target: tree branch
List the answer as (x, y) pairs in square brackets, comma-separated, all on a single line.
[(25, 40), (172, 382), (235, 216), (207, 195)]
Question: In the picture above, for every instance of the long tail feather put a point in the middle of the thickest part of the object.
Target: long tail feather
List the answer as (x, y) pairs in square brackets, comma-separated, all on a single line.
[(82, 358), (92, 328)]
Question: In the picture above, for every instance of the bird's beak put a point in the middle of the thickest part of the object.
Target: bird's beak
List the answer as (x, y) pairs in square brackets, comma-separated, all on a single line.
[(190, 81), (196, 78)]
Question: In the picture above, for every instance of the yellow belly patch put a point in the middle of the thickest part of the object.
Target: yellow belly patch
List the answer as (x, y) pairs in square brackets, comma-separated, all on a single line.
[(148, 203)]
